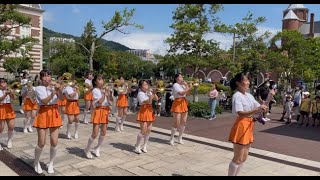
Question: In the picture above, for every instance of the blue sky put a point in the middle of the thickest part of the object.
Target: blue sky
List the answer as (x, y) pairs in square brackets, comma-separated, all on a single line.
[(156, 19)]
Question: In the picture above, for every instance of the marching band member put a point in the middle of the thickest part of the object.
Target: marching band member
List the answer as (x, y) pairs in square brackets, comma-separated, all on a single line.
[(179, 107), (122, 104), (103, 99), (62, 103), (30, 105), (145, 115), (48, 117), (244, 106), (7, 113), (72, 94), (88, 97)]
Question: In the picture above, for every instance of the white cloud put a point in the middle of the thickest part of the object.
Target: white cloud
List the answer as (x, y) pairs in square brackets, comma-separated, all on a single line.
[(48, 16), (155, 41), (75, 9)]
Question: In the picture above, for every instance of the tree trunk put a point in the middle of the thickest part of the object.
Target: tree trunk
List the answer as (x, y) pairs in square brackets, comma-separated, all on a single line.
[(92, 50), (195, 94)]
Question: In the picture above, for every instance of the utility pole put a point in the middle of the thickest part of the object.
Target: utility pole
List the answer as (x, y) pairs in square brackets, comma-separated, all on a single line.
[(234, 46)]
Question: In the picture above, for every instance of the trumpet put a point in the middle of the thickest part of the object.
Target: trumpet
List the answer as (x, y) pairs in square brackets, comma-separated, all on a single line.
[(30, 91), (55, 85), (87, 87)]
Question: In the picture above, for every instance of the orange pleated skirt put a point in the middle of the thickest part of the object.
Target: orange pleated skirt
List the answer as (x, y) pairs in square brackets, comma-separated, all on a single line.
[(48, 117), (122, 101), (242, 131), (6, 112), (29, 105), (179, 105), (62, 103), (88, 96), (145, 113), (72, 107), (100, 115)]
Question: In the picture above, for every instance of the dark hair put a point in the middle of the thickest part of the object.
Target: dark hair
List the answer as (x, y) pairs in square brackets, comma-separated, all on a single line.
[(95, 79), (44, 72), (175, 77), (237, 78), (24, 75), (36, 77), (141, 83), (3, 79), (87, 73)]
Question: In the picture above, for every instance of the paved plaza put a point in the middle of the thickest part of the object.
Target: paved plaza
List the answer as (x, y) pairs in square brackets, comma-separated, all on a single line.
[(198, 156)]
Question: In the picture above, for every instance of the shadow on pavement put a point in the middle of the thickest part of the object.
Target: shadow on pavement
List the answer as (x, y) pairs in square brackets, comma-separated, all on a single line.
[(122, 146), (76, 151), (158, 140)]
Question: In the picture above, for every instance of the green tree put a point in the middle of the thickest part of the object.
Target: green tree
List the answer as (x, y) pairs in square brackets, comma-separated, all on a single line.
[(66, 58), (192, 22), (117, 22), (12, 19)]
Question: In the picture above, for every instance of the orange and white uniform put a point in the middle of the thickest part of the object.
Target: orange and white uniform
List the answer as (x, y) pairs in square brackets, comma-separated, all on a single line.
[(101, 111), (180, 103), (64, 101), (88, 96), (122, 100), (29, 104), (48, 115), (145, 113), (72, 106), (242, 130), (6, 110)]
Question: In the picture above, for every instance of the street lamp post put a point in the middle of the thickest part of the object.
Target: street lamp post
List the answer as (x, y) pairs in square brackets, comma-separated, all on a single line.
[(234, 44)]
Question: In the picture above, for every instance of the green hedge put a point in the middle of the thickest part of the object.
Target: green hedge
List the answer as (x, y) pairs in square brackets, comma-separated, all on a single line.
[(201, 109)]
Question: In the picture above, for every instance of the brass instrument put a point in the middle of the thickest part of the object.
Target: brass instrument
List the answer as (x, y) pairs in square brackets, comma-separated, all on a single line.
[(30, 91), (14, 88), (87, 87), (74, 85), (55, 85)]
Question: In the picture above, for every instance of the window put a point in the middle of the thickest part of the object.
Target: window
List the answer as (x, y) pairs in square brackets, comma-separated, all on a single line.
[(25, 31)]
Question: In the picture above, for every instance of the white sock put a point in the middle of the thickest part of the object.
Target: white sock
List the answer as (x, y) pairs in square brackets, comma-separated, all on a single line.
[(238, 170), (146, 139), (10, 135), (233, 167), (76, 126), (90, 141), (97, 148), (117, 123), (173, 132), (85, 116), (36, 164), (53, 153), (181, 131), (123, 118), (25, 125)]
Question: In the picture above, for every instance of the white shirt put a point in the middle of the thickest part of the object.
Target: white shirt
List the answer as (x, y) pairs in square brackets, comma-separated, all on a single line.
[(88, 81), (143, 96), (43, 92), (6, 99), (243, 102), (97, 94), (178, 88), (69, 90), (24, 89), (24, 81)]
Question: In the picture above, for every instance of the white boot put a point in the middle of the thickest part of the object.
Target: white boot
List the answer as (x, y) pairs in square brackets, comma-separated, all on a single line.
[(122, 121), (181, 131), (76, 134), (146, 139), (36, 164), (117, 128), (25, 125), (9, 144), (233, 167), (173, 131), (30, 125), (137, 147), (238, 170), (68, 131), (88, 148), (96, 150), (53, 153)]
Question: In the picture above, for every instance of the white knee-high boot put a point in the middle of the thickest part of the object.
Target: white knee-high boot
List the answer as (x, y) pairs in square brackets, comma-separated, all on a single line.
[(88, 148), (233, 167), (96, 149), (146, 139), (68, 131), (36, 164), (76, 134), (117, 128), (173, 132), (10, 135), (25, 125), (137, 145), (53, 154), (181, 131), (123, 118)]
